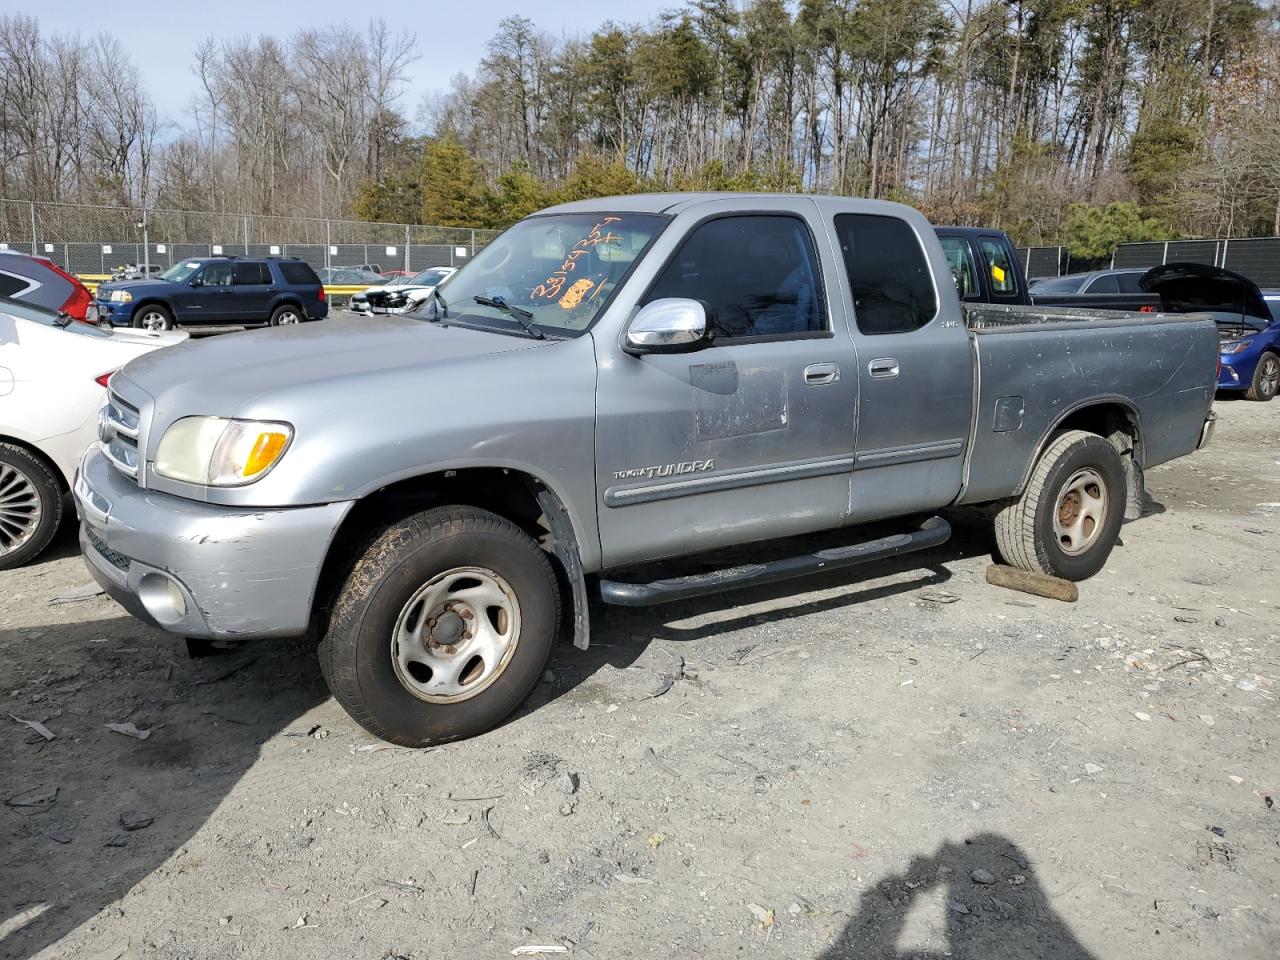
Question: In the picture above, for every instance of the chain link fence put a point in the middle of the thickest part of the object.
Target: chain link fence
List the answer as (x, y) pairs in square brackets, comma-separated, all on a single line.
[(91, 241)]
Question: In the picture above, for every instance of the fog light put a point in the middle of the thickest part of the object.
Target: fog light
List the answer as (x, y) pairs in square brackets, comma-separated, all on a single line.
[(163, 598)]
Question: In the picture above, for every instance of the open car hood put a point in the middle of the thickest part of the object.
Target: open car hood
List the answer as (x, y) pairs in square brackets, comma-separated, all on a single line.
[(1198, 287)]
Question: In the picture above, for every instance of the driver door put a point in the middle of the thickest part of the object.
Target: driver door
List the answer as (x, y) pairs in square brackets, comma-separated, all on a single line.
[(750, 438), (209, 300)]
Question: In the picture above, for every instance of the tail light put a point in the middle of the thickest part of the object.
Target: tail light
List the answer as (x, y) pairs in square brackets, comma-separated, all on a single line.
[(322, 295), (1219, 373), (77, 304), (103, 380)]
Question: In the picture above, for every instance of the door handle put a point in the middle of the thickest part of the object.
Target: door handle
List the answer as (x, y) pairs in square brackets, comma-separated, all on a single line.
[(883, 368), (819, 373)]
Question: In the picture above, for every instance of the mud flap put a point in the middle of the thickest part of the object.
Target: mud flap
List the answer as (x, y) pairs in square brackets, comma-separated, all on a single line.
[(564, 546)]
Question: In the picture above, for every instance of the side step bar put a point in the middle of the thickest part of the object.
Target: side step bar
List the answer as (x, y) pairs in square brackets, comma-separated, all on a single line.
[(933, 532)]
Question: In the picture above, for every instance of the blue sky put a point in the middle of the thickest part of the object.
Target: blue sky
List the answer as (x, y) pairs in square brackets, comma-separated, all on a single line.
[(161, 36)]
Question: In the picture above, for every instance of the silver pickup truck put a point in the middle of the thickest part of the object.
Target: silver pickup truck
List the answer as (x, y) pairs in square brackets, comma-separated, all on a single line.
[(607, 384)]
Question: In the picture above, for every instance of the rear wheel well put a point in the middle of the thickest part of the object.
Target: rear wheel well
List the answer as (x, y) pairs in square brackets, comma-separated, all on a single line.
[(508, 493), (39, 455), (1117, 424)]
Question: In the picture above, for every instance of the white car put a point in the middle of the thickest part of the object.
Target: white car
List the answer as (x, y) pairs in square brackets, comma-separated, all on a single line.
[(53, 378), (400, 297)]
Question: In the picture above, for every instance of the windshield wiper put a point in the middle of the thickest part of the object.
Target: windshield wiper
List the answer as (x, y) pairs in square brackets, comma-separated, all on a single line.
[(64, 319), (521, 314)]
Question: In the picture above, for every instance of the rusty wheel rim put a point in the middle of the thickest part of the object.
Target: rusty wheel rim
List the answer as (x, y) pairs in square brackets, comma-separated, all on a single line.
[(1080, 512)]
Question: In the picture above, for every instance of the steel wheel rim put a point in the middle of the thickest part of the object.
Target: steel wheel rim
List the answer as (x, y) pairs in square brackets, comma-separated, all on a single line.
[(1080, 512), (20, 509), (1270, 376), (154, 321), (286, 318), (456, 635)]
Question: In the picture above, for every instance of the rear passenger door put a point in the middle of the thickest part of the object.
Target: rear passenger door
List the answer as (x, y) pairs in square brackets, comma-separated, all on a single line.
[(253, 291), (915, 370)]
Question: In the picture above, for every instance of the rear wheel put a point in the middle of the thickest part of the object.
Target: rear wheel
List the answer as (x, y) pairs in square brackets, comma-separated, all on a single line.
[(286, 316), (1266, 379), (443, 627), (1067, 519), (30, 505), (153, 317)]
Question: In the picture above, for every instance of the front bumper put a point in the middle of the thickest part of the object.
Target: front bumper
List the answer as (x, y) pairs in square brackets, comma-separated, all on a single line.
[(115, 314), (198, 569)]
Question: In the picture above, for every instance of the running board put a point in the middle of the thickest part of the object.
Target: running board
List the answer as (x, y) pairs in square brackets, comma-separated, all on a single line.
[(933, 532)]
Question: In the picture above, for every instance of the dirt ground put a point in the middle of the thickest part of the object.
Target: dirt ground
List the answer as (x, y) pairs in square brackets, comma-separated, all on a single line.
[(899, 761)]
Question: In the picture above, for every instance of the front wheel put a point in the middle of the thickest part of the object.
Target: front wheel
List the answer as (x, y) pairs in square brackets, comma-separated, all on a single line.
[(1067, 519), (153, 317), (443, 627), (1266, 379)]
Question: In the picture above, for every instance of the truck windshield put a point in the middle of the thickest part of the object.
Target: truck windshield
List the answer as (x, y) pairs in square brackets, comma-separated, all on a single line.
[(560, 268)]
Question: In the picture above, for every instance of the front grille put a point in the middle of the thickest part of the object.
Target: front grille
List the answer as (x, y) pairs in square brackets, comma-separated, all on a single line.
[(121, 444), (117, 560)]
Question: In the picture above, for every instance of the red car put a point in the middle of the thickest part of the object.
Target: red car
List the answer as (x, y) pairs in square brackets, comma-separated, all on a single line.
[(40, 281), (397, 274)]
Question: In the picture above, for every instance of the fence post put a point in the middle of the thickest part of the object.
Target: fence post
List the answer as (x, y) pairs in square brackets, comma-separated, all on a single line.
[(1164, 257), (406, 248), (34, 238), (328, 242), (1225, 241), (472, 251), (146, 248), (246, 235)]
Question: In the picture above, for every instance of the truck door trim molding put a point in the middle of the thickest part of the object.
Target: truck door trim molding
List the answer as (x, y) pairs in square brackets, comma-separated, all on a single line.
[(914, 453), (625, 496)]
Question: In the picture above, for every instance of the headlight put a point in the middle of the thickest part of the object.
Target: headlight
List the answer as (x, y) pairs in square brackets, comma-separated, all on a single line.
[(121, 296), (220, 452), (1236, 346)]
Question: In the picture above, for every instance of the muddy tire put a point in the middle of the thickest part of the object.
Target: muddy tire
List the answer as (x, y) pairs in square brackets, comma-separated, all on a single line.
[(30, 505), (442, 628), (1068, 518), (1266, 378)]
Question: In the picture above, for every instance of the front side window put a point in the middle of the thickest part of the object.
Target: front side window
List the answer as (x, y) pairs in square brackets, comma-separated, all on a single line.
[(960, 260), (889, 275), (556, 272), (758, 274), (216, 275), (1004, 276), (181, 271)]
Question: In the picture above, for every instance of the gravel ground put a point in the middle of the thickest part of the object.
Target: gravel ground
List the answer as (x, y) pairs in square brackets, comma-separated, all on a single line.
[(899, 761)]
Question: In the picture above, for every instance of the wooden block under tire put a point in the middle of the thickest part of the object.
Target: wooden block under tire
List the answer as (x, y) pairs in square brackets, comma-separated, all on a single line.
[(1040, 584)]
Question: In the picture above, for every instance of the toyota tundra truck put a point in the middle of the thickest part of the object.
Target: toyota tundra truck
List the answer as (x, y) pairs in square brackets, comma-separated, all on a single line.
[(617, 385)]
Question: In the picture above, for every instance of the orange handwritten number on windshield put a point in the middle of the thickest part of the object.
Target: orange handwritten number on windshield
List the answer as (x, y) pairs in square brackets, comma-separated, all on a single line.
[(550, 288)]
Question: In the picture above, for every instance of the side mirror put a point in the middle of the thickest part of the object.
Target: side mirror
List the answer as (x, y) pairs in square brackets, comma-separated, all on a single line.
[(670, 325), (196, 282)]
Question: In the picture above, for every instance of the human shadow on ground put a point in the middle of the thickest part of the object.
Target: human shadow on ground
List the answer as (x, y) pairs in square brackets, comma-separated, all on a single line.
[(992, 902), (89, 815)]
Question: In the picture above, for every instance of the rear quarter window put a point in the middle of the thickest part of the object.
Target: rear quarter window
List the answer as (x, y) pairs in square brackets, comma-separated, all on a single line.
[(297, 272), (888, 273)]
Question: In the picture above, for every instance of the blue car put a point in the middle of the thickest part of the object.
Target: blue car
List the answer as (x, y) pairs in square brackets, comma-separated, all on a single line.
[(215, 291), (1248, 321)]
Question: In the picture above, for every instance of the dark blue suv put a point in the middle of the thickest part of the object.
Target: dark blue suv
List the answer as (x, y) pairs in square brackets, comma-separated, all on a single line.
[(216, 291)]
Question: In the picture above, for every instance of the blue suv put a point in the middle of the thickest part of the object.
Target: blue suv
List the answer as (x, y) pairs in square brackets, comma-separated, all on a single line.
[(216, 291)]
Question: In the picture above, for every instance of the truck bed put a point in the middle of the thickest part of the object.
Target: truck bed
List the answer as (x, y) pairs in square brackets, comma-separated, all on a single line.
[(1157, 367)]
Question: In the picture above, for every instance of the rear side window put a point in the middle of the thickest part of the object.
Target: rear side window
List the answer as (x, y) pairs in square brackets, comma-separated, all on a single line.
[(1004, 277), (889, 276), (960, 260), (1129, 282), (250, 273), (1106, 284), (759, 275), (295, 271)]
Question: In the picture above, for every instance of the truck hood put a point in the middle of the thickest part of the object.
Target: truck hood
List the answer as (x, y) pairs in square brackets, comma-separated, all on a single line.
[(217, 376), (1199, 287)]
